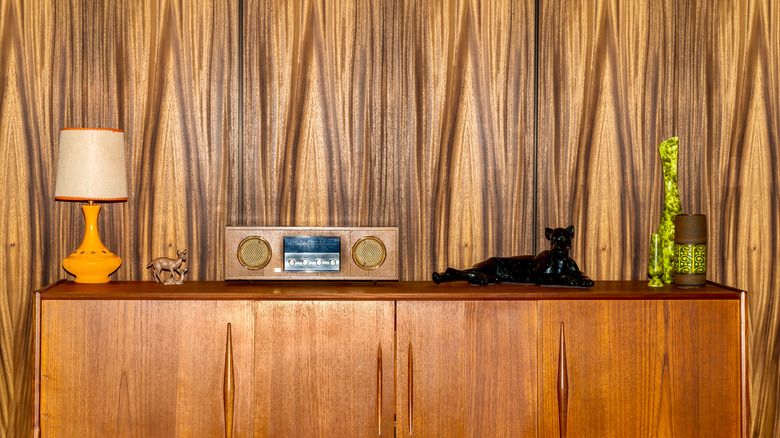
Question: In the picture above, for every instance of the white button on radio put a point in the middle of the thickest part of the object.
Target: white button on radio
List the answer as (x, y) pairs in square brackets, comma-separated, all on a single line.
[(319, 262), (291, 262), (333, 262), (305, 262)]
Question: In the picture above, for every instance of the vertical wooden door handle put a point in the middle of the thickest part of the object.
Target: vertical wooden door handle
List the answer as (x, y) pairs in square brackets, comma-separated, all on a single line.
[(411, 388), (379, 389), (563, 387), (229, 386)]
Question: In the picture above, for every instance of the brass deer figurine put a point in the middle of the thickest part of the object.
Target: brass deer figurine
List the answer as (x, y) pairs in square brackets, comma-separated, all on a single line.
[(172, 266)]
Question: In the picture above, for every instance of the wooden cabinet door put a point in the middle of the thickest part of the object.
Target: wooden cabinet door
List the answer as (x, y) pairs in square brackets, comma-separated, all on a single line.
[(323, 368), (641, 368), (466, 368), (143, 368)]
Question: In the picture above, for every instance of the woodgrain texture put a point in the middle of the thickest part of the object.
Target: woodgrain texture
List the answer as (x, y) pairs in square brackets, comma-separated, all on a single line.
[(672, 368), (474, 368), (740, 189), (405, 114), (180, 75), (133, 368), (315, 368), (382, 291), (605, 85), (476, 364), (164, 72), (618, 78), (17, 228)]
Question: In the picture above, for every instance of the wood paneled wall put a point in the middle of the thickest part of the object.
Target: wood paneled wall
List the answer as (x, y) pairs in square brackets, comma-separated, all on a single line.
[(407, 113), (410, 114), (163, 71), (616, 79)]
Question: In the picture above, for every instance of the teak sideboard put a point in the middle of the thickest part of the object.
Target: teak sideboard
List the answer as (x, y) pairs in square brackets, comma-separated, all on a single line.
[(296, 359)]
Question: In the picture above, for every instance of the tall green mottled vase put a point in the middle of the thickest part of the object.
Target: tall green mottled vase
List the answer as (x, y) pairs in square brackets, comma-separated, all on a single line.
[(672, 207)]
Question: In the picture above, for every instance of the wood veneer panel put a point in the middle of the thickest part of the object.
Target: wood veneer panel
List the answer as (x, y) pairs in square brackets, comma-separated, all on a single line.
[(474, 369), (616, 79), (393, 114), (164, 72), (112, 64), (315, 368), (28, 40), (643, 368), (382, 291), (99, 379), (606, 75), (740, 185), (464, 76), (17, 179), (178, 72)]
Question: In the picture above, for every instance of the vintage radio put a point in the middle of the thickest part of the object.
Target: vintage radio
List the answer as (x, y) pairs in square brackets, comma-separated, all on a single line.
[(298, 253)]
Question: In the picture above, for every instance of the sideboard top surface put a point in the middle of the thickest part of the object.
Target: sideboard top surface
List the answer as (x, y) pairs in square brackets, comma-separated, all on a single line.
[(383, 290)]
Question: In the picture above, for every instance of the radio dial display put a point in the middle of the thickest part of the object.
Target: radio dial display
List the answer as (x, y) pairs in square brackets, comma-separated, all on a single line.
[(300, 251)]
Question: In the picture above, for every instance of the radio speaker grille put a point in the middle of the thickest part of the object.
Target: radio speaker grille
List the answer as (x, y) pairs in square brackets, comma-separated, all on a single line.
[(254, 253), (369, 253)]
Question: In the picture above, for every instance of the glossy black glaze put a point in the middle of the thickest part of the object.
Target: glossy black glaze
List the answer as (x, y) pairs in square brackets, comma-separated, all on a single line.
[(550, 267)]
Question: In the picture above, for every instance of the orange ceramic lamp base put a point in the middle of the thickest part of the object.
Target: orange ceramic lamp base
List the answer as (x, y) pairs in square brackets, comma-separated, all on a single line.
[(91, 262)]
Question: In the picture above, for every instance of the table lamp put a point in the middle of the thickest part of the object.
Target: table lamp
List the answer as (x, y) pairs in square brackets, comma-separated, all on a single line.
[(91, 167)]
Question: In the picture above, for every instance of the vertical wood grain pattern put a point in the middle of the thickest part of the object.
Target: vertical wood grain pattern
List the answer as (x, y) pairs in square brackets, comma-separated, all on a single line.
[(16, 230), (469, 368), (667, 361), (318, 359), (605, 91), (179, 67), (618, 78), (165, 73), (742, 195), (465, 83), (405, 114), (91, 355)]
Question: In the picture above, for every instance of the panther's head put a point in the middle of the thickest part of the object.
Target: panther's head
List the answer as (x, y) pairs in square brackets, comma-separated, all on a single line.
[(560, 241)]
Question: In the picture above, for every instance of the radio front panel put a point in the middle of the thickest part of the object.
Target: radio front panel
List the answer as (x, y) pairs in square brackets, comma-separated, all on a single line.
[(296, 253)]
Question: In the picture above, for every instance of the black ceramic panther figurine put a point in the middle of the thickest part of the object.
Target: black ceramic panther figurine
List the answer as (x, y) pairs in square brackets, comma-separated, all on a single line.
[(551, 267)]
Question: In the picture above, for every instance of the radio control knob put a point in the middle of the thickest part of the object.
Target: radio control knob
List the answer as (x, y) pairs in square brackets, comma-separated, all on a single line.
[(291, 262), (333, 262), (305, 262), (319, 262)]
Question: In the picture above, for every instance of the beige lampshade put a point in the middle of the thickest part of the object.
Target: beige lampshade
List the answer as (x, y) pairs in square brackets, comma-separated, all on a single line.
[(91, 165)]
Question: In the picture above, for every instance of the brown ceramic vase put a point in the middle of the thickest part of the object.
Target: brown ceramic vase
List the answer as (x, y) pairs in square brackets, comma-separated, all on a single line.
[(690, 249)]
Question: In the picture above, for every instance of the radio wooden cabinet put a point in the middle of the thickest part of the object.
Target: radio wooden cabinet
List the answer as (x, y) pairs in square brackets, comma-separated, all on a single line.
[(297, 359)]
